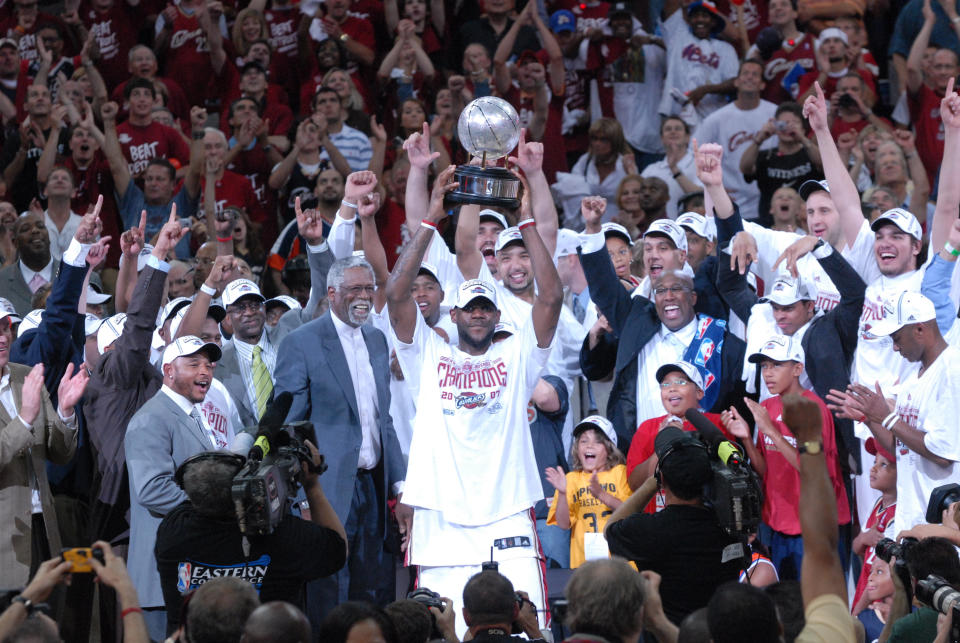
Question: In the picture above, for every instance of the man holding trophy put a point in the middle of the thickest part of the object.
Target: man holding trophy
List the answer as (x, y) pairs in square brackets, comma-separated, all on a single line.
[(472, 477)]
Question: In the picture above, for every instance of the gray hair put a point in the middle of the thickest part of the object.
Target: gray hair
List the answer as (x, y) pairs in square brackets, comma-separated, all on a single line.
[(219, 609), (217, 133), (207, 484), (340, 266), (605, 599)]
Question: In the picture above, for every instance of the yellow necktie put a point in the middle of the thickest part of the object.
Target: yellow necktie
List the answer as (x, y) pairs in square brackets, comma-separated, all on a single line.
[(262, 384)]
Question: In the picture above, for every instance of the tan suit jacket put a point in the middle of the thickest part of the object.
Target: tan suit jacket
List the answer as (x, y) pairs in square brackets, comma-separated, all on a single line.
[(24, 452)]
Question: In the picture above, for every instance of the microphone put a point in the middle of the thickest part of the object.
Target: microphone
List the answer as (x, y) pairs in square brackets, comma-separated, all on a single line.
[(270, 425), (728, 452)]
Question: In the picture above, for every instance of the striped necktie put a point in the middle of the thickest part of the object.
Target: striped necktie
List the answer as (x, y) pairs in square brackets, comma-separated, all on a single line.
[(262, 384)]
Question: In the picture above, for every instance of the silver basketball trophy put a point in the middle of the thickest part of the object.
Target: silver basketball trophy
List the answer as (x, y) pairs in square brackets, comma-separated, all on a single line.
[(489, 129)]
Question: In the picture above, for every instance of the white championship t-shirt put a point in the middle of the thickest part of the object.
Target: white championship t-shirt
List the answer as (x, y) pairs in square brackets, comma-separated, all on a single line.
[(931, 404)]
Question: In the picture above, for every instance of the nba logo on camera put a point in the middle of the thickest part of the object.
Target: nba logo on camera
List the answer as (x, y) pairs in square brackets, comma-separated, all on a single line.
[(183, 577)]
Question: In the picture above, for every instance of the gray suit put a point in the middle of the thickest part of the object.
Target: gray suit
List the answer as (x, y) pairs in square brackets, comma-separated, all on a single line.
[(159, 438), (14, 288), (24, 452), (312, 366)]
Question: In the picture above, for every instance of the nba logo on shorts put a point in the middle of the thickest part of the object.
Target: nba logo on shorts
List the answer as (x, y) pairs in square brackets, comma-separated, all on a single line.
[(183, 577)]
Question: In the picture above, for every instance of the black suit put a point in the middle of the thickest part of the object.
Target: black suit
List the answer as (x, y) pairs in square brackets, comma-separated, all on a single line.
[(829, 343), (634, 322)]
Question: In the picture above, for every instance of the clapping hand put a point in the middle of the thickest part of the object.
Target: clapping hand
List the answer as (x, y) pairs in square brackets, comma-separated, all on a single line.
[(735, 423), (32, 394), (71, 389), (557, 478)]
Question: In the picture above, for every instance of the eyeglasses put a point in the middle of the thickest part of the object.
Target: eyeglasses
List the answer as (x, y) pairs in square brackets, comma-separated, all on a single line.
[(245, 307), (670, 383), (676, 290)]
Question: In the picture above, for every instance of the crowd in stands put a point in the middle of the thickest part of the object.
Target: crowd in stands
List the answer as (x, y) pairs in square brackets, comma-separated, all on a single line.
[(739, 223)]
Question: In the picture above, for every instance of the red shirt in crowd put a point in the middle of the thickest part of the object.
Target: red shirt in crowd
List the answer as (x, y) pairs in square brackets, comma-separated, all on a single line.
[(781, 484), (235, 189), (142, 143), (925, 115), (92, 182), (880, 517), (188, 50), (807, 80), (781, 62), (115, 34)]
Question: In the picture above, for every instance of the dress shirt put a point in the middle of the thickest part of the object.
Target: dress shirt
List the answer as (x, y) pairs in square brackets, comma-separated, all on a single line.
[(10, 406), (364, 388), (666, 346), (192, 410), (268, 353), (46, 272), (60, 239)]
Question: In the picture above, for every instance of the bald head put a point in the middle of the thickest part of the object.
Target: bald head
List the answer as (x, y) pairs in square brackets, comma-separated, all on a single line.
[(277, 622)]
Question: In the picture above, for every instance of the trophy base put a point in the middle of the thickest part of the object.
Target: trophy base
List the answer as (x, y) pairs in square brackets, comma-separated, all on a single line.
[(492, 186)]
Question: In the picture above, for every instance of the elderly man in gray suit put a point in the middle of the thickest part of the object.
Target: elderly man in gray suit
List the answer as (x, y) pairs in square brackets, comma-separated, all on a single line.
[(34, 269), (338, 371), (162, 434)]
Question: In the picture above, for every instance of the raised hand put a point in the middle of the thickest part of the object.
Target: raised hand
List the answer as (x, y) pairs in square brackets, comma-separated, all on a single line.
[(743, 252), (558, 479), (309, 224), (803, 418), (815, 110), (378, 130), (441, 186), (529, 156), (417, 147), (368, 206), (97, 253), (108, 111), (90, 226), (198, 118), (906, 140), (169, 235), (49, 574), (592, 209), (709, 160), (359, 184), (32, 395), (794, 251), (220, 273), (132, 240), (71, 389), (950, 107), (735, 423)]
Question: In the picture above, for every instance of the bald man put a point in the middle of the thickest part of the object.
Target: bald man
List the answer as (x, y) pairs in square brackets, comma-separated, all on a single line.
[(277, 622)]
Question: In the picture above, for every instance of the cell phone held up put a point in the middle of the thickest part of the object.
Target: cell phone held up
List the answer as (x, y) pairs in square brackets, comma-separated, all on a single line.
[(79, 558)]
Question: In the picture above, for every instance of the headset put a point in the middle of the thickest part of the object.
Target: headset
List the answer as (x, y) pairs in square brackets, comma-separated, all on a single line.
[(223, 455), (679, 444)]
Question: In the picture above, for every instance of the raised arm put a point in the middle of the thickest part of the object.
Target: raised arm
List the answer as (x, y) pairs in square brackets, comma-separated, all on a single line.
[(113, 152), (191, 181), (529, 158), (49, 156), (948, 192), (549, 297), (918, 174), (501, 57), (403, 310), (709, 158), (843, 191), (208, 15), (373, 246), (469, 258), (417, 147), (196, 314), (920, 44)]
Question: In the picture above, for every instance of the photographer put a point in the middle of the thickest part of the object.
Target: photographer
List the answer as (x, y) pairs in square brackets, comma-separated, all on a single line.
[(491, 608), (923, 558), (684, 543), (201, 540)]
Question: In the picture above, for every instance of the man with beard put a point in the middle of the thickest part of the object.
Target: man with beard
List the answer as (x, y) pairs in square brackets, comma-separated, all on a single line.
[(161, 435), (35, 268), (337, 368), (471, 437)]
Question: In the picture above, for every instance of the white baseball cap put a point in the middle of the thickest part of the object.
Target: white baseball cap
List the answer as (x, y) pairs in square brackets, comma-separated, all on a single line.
[(504, 327), (7, 310), (91, 324), (670, 230), (779, 348), (110, 330), (215, 311), (697, 224), (567, 243), (30, 321), (96, 297), (496, 216), (688, 369), (616, 230), (902, 219), (908, 308), (786, 290), (172, 307), (810, 186), (473, 289), (431, 270), (508, 236), (240, 288), (598, 422), (284, 300), (189, 345)]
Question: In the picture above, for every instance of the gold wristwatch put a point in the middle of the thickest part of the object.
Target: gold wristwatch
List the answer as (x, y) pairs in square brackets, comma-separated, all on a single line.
[(813, 448)]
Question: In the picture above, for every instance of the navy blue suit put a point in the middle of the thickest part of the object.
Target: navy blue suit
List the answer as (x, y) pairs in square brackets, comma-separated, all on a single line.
[(311, 364)]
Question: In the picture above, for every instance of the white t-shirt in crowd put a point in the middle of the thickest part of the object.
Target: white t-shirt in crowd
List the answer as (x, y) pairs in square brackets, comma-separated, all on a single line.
[(471, 456), (733, 129), (929, 403), (772, 243), (692, 62), (635, 104), (665, 347)]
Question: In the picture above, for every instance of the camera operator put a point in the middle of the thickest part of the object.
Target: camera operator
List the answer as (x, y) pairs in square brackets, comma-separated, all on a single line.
[(201, 539), (491, 607), (684, 543), (923, 558)]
